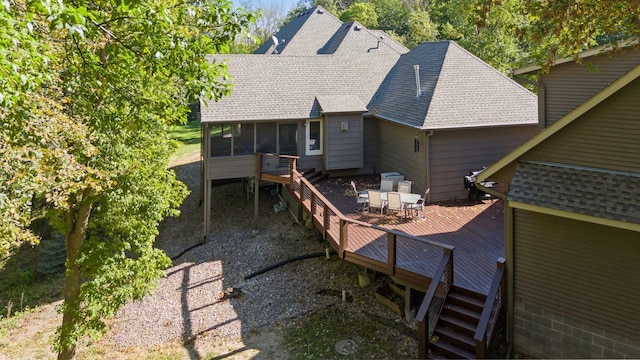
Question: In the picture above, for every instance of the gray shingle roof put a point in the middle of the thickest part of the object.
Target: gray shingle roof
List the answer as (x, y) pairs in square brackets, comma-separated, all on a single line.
[(341, 104), (596, 192), (273, 87), (305, 34), (459, 90)]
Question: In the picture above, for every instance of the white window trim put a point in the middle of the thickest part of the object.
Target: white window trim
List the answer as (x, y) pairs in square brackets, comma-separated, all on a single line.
[(307, 126)]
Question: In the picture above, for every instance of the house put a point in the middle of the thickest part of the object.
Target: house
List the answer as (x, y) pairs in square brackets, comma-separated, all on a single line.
[(347, 100), (572, 205)]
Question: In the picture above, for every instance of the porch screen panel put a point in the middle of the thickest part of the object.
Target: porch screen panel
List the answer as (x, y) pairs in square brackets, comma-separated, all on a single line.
[(243, 139), (220, 140), (266, 137)]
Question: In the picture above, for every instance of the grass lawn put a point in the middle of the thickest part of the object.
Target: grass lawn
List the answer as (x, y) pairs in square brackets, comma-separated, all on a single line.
[(188, 136)]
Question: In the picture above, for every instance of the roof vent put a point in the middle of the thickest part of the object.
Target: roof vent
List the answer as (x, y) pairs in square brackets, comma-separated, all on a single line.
[(275, 44), (320, 11), (378, 45), (416, 69), (358, 27)]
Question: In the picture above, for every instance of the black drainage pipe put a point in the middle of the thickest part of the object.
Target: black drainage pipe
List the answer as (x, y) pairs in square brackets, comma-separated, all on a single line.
[(284, 262), (185, 251)]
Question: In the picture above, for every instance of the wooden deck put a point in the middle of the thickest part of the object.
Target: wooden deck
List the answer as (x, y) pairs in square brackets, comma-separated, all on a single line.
[(475, 230)]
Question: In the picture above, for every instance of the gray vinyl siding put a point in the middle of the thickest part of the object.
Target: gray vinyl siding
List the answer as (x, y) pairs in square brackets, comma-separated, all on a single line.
[(396, 153), (343, 148), (570, 84), (454, 153), (605, 137), (231, 167), (370, 144), (586, 273)]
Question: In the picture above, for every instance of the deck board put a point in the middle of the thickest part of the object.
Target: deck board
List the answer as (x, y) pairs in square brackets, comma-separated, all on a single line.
[(476, 230)]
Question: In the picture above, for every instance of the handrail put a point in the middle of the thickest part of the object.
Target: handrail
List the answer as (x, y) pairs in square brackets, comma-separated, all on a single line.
[(425, 328), (291, 159), (490, 311)]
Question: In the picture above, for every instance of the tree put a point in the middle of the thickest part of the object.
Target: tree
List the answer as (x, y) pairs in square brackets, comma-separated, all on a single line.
[(268, 21), (90, 138), (565, 27), (364, 13), (488, 30), (420, 29)]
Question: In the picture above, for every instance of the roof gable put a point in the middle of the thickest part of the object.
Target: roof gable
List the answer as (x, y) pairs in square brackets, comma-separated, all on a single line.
[(458, 90), (305, 34)]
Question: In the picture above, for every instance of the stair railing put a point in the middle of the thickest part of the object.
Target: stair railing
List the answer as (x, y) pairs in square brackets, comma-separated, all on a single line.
[(491, 310), (433, 302)]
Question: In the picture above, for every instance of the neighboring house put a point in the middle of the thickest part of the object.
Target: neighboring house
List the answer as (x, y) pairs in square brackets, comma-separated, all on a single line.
[(347, 100), (573, 213)]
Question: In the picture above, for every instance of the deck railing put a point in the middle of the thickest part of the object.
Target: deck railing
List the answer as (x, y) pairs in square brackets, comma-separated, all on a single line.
[(276, 168), (433, 302), (335, 229), (491, 310)]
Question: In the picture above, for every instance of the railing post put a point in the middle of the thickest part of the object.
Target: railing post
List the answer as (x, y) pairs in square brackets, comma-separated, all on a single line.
[(450, 267), (292, 166), (344, 237), (391, 253), (325, 220), (423, 334)]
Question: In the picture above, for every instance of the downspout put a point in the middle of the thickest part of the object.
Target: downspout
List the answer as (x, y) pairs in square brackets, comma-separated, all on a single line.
[(428, 160), (542, 103), (509, 253)]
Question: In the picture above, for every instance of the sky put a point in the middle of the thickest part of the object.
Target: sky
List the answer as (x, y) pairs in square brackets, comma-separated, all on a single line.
[(281, 6)]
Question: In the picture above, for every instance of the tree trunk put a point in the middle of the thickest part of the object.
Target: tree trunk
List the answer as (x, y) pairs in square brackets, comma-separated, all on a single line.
[(77, 220)]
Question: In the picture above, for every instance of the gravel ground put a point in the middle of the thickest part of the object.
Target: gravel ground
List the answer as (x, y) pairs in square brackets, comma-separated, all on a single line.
[(205, 302)]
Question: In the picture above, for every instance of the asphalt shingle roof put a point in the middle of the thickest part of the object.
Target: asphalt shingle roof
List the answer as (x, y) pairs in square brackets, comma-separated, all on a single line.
[(277, 87), (305, 34), (324, 57), (459, 90), (341, 104), (596, 192)]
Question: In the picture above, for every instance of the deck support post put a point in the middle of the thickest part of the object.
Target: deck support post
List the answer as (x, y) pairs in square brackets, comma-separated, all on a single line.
[(206, 194), (407, 303), (256, 197)]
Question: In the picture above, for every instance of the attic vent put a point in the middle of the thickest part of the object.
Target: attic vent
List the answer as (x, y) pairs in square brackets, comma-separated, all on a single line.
[(416, 69)]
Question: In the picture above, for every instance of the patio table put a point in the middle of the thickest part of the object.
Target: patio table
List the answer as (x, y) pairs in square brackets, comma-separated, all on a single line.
[(405, 198)]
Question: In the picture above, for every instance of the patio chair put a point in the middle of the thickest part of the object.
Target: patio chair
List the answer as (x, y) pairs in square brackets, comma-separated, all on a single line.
[(418, 206), (386, 185), (362, 200), (375, 201), (404, 186), (394, 203)]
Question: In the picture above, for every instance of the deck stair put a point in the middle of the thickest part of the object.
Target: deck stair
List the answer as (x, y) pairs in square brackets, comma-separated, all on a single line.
[(453, 335), (314, 176)]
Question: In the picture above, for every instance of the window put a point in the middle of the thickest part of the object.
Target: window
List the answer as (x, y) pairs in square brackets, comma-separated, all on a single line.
[(314, 137)]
